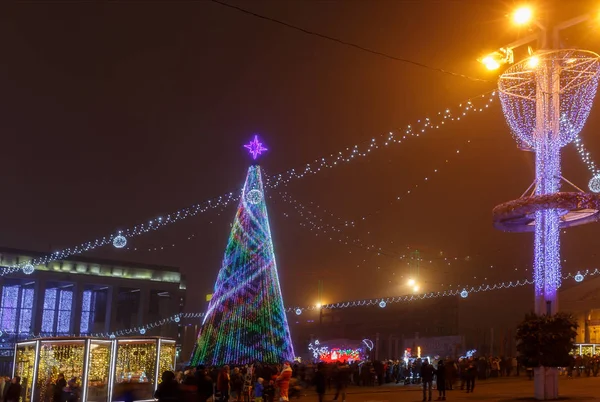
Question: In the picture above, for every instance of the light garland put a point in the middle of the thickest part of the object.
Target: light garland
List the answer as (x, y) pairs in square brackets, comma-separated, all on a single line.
[(246, 321), (464, 293), (136, 230), (315, 224), (475, 104), (594, 183)]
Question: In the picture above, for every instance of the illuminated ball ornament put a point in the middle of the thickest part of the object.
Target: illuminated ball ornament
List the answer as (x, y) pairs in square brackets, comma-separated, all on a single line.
[(464, 294), (112, 336), (298, 311), (143, 331), (382, 304), (594, 184), (28, 269), (120, 241), (177, 319), (578, 277), (254, 196)]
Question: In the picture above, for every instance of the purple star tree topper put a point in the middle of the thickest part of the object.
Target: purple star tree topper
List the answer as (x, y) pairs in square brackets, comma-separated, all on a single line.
[(255, 147)]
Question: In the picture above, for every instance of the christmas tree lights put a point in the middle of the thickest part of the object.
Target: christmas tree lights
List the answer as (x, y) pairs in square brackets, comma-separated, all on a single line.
[(246, 321)]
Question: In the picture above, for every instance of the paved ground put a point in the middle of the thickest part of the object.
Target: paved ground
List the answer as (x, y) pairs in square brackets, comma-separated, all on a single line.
[(501, 390)]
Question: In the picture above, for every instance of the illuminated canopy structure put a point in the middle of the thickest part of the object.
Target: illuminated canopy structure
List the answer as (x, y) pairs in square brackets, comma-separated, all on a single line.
[(546, 100), (246, 320)]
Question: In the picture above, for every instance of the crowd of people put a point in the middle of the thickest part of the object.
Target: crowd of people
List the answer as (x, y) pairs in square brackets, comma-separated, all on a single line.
[(270, 383), (258, 382)]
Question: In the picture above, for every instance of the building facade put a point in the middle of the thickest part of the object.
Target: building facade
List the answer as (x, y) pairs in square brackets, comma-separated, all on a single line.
[(83, 296)]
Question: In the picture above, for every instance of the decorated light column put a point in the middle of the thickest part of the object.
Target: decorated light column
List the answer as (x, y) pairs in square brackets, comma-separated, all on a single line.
[(546, 100)]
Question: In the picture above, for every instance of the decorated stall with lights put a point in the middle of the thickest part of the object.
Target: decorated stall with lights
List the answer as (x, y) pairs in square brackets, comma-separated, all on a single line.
[(345, 352), (103, 368)]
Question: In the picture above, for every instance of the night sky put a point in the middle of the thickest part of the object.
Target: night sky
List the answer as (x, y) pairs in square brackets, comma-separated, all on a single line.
[(114, 114)]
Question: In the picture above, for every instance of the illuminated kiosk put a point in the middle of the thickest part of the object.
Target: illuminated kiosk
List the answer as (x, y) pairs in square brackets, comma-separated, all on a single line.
[(103, 367)]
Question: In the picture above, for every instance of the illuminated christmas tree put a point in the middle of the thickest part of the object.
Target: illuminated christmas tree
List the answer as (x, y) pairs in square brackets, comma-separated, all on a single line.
[(245, 321)]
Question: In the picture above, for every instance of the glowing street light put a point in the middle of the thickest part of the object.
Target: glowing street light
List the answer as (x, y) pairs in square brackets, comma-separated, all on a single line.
[(319, 305), (416, 288), (490, 63), (522, 15), (533, 62), (411, 282)]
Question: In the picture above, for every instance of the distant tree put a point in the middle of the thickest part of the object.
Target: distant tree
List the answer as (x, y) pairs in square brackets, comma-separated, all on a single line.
[(546, 340)]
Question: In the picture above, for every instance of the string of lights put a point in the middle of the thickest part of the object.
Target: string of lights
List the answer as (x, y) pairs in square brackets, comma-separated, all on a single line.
[(594, 183), (120, 238), (316, 224), (382, 302), (477, 104)]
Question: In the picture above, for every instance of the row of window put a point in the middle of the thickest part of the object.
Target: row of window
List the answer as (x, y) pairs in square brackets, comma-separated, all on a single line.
[(16, 308)]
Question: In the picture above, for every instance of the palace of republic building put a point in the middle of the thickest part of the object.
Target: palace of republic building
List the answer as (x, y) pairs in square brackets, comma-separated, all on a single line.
[(83, 296)]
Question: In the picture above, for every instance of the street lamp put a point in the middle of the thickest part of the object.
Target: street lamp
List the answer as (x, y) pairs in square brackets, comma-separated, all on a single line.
[(411, 282), (522, 15)]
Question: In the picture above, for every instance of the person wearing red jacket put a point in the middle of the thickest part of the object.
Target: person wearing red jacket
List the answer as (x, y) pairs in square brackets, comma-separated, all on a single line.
[(283, 381)]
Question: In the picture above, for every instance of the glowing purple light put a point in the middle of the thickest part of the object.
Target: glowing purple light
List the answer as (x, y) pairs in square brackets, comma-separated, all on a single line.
[(255, 147)]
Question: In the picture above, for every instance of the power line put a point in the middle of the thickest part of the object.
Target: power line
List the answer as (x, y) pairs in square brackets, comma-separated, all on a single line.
[(350, 44)]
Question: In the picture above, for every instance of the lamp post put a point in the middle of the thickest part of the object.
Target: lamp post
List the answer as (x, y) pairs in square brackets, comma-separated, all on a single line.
[(546, 100)]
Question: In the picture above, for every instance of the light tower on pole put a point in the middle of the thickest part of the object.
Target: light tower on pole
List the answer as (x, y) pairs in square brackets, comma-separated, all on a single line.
[(546, 100)]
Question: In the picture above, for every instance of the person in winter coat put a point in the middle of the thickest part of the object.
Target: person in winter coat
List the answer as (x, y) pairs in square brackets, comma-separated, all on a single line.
[(204, 384), (471, 374), (57, 390), (13, 393), (440, 374), (258, 390), (168, 390), (341, 379), (320, 381), (237, 384), (269, 392), (223, 382), (283, 381), (427, 372)]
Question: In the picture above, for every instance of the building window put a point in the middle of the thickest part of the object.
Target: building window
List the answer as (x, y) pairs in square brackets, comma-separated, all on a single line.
[(64, 312), (26, 311), (10, 301), (16, 308), (88, 308), (56, 315), (48, 312)]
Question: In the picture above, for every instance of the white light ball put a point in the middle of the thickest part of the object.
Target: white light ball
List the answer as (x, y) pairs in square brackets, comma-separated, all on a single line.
[(382, 304), (177, 319), (254, 196), (464, 294), (112, 336), (579, 277), (298, 311), (143, 331), (594, 184), (120, 241), (28, 269)]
